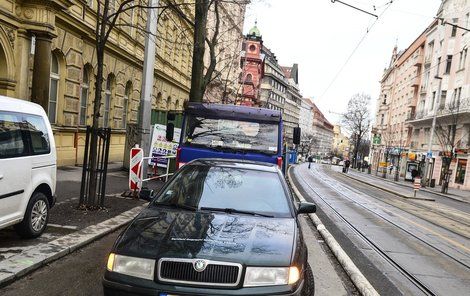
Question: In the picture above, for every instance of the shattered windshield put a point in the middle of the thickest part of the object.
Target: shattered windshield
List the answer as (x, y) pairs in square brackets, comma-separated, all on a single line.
[(231, 134)]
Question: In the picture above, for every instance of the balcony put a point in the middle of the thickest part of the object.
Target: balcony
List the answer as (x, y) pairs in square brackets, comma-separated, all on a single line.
[(423, 89), (419, 60), (427, 60), (415, 82)]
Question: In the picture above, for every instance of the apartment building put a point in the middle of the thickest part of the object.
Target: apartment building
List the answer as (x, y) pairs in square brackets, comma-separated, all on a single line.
[(429, 81)]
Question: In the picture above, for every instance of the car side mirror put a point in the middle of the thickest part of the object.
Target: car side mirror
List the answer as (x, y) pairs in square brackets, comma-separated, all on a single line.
[(306, 208), (170, 131), (146, 194)]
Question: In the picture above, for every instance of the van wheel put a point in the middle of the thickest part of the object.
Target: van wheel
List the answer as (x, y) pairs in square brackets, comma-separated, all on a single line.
[(308, 288), (36, 217)]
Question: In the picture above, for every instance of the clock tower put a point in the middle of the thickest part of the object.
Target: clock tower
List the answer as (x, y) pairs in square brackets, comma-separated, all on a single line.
[(252, 64)]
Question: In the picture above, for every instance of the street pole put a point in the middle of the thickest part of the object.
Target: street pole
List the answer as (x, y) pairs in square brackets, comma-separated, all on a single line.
[(431, 136), (147, 81)]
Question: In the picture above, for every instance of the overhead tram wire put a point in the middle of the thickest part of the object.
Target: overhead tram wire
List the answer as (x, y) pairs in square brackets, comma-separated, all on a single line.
[(355, 48)]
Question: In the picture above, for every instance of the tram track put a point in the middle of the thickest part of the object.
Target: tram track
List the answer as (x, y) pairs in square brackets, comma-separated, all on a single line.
[(462, 233), (401, 269)]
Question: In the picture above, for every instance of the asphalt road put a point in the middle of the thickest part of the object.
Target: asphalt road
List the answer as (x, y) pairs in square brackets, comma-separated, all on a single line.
[(396, 244), (74, 275)]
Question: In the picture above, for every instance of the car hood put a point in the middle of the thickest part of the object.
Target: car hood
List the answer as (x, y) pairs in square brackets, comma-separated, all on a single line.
[(251, 240)]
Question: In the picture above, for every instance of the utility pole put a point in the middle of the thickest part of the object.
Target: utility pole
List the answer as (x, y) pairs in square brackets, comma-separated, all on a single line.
[(147, 81), (431, 136)]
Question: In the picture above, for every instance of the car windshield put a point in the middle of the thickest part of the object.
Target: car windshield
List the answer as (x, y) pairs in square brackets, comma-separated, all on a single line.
[(215, 188), (231, 134)]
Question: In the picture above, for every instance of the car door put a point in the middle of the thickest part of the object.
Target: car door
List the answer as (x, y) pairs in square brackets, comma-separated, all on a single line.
[(15, 167)]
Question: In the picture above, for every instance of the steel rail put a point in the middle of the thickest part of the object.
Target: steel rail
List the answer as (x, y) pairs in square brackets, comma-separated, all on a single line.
[(413, 279)]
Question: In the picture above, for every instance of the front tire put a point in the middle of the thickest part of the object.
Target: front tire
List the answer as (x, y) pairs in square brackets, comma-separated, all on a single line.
[(308, 288), (35, 218)]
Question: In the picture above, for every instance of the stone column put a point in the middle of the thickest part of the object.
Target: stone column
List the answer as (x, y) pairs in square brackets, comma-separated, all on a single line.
[(41, 70)]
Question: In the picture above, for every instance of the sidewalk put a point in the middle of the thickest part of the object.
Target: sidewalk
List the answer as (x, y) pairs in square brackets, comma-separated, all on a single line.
[(68, 226), (455, 194)]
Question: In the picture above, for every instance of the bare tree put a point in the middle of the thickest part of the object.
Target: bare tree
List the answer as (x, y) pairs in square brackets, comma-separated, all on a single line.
[(357, 121), (449, 119), (206, 36), (307, 142), (107, 16)]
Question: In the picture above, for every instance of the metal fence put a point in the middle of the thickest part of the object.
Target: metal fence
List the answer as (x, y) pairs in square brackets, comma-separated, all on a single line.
[(98, 173)]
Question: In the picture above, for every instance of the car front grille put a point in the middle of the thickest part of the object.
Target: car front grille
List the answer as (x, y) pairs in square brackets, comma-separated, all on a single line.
[(215, 273)]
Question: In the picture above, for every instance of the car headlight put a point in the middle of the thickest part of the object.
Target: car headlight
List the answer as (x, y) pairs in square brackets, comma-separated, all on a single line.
[(271, 276), (133, 266)]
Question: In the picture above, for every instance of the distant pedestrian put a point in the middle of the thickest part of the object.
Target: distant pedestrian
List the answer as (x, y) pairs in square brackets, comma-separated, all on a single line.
[(347, 163), (310, 159), (414, 174)]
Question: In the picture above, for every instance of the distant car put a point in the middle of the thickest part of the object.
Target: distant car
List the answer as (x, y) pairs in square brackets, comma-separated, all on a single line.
[(27, 167), (218, 227), (341, 163), (325, 161)]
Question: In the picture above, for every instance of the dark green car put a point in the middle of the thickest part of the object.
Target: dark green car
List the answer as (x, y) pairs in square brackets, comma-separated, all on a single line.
[(219, 227)]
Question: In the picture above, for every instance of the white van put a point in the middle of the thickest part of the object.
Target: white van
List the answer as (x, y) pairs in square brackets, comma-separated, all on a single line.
[(28, 165)]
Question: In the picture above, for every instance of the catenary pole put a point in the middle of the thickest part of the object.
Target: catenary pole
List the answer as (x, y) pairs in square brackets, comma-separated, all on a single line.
[(431, 133), (147, 80)]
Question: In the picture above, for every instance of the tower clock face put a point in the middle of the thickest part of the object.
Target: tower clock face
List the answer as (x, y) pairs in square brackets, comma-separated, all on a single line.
[(252, 47)]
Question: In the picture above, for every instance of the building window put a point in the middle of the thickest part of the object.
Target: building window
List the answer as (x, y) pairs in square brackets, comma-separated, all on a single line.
[(85, 86), (433, 100), (454, 27), (125, 104), (107, 100), (448, 64), (89, 3), (438, 66), (53, 89), (463, 58), (461, 169), (442, 103)]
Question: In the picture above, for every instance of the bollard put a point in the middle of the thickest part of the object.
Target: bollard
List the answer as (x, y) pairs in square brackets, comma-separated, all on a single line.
[(416, 185)]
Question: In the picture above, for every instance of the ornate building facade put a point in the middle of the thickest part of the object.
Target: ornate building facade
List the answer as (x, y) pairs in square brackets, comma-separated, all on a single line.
[(47, 55)]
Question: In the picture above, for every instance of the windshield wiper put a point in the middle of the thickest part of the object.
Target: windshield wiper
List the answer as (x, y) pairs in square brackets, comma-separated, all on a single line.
[(232, 211), (177, 206)]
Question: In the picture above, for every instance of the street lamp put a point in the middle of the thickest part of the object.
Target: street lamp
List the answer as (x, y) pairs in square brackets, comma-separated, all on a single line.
[(431, 136)]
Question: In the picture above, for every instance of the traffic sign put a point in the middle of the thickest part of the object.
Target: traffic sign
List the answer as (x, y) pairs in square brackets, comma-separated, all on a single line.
[(137, 155), (429, 155)]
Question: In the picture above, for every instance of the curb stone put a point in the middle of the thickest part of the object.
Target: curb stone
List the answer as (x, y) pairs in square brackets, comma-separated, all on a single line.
[(359, 280), (390, 190), (37, 256)]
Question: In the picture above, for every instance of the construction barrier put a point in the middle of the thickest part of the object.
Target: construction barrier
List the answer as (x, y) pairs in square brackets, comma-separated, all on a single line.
[(137, 160)]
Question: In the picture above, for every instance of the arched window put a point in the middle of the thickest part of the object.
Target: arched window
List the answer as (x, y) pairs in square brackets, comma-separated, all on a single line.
[(85, 87), (107, 100), (177, 105), (249, 78), (168, 104), (125, 104), (53, 89)]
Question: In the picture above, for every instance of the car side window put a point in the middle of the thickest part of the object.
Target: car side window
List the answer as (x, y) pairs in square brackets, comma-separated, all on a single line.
[(12, 142), (39, 136)]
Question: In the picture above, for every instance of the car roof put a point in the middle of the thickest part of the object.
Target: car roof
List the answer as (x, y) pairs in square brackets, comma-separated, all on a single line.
[(22, 106), (236, 163), (232, 112)]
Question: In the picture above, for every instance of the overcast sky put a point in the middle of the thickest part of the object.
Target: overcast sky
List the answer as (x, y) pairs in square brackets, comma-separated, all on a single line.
[(320, 36)]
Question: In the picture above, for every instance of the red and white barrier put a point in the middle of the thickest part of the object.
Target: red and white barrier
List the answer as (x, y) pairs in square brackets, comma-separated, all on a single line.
[(137, 160)]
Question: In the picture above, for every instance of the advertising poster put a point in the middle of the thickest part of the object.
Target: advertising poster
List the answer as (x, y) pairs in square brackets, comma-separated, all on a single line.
[(159, 146)]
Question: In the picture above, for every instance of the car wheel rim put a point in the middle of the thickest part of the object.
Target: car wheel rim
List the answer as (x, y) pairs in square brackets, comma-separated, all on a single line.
[(39, 215)]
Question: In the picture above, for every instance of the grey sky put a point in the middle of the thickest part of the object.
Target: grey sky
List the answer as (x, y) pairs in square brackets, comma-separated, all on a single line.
[(320, 35)]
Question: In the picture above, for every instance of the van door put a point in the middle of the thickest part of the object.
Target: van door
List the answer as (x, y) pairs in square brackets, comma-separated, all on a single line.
[(15, 167)]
